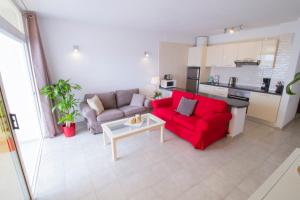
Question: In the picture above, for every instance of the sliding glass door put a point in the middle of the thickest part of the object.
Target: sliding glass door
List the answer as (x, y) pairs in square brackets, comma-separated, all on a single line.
[(21, 92), (12, 182)]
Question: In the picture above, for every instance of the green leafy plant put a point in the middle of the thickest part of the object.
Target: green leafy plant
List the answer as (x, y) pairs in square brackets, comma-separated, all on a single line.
[(288, 87), (157, 94), (64, 100)]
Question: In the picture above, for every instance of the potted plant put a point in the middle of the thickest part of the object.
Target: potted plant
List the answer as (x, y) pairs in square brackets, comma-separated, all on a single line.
[(65, 104), (157, 94), (288, 87)]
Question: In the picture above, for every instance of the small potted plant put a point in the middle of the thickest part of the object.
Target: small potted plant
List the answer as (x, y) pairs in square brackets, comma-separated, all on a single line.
[(65, 104), (157, 94), (288, 87)]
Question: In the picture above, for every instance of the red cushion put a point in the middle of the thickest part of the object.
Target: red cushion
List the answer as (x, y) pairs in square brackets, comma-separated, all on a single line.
[(207, 105), (177, 95), (165, 113), (185, 121)]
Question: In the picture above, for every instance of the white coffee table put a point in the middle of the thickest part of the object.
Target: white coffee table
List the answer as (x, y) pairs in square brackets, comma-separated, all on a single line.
[(117, 130)]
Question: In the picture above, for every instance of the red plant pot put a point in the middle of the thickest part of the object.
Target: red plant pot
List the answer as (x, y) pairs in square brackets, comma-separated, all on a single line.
[(69, 131)]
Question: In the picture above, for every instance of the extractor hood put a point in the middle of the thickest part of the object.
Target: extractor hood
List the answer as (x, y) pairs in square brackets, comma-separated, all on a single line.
[(240, 63)]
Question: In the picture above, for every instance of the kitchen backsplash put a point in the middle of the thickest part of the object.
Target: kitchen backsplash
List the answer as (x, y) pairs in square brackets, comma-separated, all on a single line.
[(253, 75)]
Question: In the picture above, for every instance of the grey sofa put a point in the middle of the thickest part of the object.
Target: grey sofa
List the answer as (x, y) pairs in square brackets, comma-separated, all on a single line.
[(116, 105)]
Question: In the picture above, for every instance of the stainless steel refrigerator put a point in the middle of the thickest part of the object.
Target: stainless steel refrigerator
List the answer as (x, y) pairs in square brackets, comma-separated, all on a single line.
[(193, 79)]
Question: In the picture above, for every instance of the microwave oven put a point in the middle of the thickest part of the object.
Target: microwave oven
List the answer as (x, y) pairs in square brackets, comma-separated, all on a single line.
[(168, 83)]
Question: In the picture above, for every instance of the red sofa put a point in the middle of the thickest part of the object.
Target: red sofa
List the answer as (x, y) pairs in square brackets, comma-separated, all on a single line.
[(208, 123)]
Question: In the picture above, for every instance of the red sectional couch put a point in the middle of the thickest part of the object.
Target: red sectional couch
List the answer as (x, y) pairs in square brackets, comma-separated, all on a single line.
[(208, 123)]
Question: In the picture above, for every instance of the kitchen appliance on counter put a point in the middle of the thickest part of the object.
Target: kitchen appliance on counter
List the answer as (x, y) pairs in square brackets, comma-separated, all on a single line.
[(168, 76), (279, 87), (193, 79), (232, 81), (239, 94), (167, 83), (266, 84)]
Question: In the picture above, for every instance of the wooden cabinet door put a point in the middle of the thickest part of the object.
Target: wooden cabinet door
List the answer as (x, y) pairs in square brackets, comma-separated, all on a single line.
[(249, 50), (268, 52), (264, 106), (230, 53), (214, 56), (194, 57)]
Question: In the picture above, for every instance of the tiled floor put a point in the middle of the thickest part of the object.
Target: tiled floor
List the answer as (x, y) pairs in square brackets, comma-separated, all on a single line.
[(82, 168)]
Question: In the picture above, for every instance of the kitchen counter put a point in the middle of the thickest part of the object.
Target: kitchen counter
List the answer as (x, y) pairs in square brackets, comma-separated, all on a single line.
[(242, 87), (231, 102)]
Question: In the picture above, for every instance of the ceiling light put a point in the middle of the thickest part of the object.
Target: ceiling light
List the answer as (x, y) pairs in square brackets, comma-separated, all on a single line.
[(146, 54), (232, 30)]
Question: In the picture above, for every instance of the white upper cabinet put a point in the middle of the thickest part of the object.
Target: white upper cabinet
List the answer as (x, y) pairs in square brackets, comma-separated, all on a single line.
[(229, 55), (225, 55), (249, 50), (214, 56), (268, 52), (197, 56)]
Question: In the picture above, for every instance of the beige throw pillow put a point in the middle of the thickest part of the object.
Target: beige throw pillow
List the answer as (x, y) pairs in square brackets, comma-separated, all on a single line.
[(96, 104)]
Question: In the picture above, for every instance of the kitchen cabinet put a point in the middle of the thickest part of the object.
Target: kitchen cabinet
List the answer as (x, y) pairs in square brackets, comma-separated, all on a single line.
[(214, 90), (197, 56), (249, 50), (268, 52), (264, 106), (214, 56), (230, 52)]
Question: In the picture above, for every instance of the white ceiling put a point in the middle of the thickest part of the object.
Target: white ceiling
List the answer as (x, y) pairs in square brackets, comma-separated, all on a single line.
[(198, 17)]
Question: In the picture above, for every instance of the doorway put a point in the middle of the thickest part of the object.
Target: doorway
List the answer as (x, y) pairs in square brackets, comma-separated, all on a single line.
[(21, 99)]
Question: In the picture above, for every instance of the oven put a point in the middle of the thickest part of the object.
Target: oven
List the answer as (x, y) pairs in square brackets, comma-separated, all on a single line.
[(239, 94)]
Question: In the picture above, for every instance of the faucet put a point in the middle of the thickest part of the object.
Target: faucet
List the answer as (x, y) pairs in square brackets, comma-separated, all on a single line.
[(217, 79)]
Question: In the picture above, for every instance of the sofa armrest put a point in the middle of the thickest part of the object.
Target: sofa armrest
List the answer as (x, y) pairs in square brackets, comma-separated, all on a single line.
[(165, 102), (214, 122), (87, 112)]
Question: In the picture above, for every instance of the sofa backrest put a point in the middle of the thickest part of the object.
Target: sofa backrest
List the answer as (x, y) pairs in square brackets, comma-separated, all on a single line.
[(207, 105), (108, 99), (124, 97), (177, 95)]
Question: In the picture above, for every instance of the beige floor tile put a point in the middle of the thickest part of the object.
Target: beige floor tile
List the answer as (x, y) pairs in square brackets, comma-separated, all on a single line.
[(237, 194)]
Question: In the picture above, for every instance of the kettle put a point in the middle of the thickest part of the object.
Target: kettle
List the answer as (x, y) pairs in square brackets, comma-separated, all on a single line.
[(232, 81)]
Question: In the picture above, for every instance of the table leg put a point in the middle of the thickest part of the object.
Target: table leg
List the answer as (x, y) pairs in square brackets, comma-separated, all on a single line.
[(162, 134), (104, 138), (114, 149)]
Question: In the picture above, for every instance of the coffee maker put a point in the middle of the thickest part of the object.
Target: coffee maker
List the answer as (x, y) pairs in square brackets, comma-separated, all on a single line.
[(232, 81), (266, 84)]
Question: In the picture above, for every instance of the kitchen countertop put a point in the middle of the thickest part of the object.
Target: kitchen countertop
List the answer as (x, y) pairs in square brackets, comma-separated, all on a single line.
[(231, 102), (242, 87)]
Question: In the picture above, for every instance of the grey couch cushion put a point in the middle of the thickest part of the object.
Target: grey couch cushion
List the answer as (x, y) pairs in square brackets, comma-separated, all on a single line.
[(108, 99), (109, 115), (137, 100), (132, 110), (124, 97), (186, 106)]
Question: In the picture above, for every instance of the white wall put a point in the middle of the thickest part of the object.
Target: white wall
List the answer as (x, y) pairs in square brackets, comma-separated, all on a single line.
[(173, 59), (109, 58), (289, 104)]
